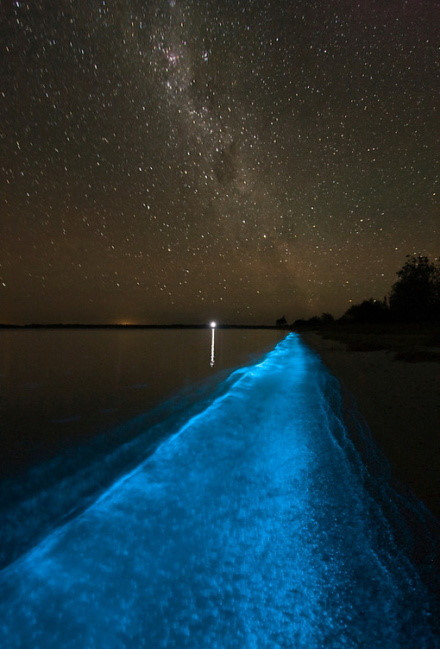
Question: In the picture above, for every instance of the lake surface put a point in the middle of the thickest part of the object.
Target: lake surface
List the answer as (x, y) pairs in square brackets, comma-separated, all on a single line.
[(251, 520), (60, 388), (81, 407)]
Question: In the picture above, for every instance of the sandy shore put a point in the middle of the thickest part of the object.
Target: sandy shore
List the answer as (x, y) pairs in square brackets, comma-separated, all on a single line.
[(401, 404)]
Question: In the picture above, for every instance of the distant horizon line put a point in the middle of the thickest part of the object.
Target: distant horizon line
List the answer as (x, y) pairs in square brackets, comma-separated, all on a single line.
[(60, 325)]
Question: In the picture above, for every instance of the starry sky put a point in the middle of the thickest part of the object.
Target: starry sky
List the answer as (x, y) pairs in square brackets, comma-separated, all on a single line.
[(183, 160)]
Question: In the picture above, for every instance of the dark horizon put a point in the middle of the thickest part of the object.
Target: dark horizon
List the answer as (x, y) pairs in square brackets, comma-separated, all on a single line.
[(91, 325)]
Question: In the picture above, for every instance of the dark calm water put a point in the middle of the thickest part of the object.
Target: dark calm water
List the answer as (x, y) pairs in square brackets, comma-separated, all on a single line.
[(60, 388), (81, 407)]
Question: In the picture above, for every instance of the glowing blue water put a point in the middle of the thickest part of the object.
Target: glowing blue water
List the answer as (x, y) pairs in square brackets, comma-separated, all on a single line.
[(256, 526)]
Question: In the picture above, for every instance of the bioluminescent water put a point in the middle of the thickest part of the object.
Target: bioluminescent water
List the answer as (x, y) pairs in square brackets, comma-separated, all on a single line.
[(258, 524)]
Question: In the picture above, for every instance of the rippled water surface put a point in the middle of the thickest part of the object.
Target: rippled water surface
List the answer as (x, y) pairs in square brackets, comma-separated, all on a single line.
[(255, 524)]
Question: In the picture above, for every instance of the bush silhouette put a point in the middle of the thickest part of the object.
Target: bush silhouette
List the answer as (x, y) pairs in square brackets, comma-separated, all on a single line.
[(368, 311), (416, 294), (326, 318)]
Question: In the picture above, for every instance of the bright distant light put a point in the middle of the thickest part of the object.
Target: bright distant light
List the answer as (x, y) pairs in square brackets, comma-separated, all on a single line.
[(213, 325)]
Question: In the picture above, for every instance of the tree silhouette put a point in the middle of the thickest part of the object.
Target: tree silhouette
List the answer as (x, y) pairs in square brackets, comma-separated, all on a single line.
[(327, 319), (367, 311), (416, 294)]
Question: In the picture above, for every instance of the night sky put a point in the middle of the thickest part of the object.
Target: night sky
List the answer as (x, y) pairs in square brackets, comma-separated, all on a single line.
[(179, 161)]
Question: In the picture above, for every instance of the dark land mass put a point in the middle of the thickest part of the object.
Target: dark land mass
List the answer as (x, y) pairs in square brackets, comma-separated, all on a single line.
[(411, 342), (392, 372), (134, 326)]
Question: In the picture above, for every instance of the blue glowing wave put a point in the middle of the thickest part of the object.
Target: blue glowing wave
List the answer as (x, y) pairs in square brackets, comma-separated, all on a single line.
[(257, 525), (49, 494)]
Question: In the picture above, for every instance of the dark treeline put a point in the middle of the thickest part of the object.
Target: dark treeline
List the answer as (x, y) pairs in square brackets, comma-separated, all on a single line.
[(414, 297)]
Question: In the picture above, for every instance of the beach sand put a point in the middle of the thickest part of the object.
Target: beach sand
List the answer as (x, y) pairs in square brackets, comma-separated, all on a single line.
[(400, 402)]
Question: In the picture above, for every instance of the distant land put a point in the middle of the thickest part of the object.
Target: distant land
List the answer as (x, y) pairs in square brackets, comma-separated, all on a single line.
[(136, 326)]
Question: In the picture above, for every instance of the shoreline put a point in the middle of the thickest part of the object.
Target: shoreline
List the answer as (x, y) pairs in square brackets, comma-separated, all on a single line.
[(400, 404)]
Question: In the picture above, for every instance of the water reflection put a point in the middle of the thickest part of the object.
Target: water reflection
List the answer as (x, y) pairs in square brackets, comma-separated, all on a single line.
[(60, 388), (213, 325)]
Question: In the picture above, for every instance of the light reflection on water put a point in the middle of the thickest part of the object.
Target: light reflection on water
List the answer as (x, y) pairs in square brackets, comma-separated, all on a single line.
[(212, 359), (256, 525), (79, 407), (60, 388)]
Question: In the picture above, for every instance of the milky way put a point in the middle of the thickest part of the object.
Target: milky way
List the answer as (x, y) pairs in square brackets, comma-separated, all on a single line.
[(177, 161)]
